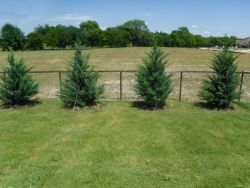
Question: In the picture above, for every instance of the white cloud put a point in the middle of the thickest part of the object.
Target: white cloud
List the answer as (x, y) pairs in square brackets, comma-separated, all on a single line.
[(161, 30), (146, 14), (23, 12), (207, 32), (104, 27), (219, 33), (30, 19), (74, 17), (34, 17), (194, 26), (243, 35)]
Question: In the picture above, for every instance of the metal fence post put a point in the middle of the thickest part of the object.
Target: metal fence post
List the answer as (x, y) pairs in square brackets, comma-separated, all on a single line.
[(241, 85), (60, 81), (120, 85), (180, 91)]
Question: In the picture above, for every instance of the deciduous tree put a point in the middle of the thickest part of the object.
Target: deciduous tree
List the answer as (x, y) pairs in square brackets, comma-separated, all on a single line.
[(12, 37)]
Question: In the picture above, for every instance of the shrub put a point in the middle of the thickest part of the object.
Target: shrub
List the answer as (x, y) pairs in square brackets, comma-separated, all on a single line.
[(17, 86), (220, 89), (153, 84), (80, 87)]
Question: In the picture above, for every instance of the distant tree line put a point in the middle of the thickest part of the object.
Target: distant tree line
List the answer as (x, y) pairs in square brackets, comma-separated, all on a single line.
[(89, 34)]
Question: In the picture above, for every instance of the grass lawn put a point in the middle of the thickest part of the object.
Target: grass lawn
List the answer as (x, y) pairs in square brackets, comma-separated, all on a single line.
[(122, 146)]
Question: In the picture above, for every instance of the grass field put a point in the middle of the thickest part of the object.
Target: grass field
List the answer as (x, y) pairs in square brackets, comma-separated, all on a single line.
[(121, 146), (122, 58), (125, 59)]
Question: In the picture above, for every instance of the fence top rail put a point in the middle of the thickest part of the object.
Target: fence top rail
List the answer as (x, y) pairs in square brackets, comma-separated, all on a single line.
[(202, 71), (133, 71), (246, 72)]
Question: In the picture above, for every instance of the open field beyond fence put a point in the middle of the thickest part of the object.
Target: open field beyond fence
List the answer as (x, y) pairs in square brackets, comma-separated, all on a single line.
[(121, 59), (127, 59)]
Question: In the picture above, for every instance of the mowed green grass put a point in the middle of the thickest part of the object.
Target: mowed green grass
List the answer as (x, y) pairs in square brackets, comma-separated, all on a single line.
[(121, 146), (121, 58)]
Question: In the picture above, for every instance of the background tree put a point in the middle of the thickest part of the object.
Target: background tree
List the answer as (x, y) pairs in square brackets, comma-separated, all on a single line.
[(162, 39), (182, 38), (94, 38), (145, 39), (117, 37), (34, 42), (220, 89), (228, 41), (80, 87), (153, 85), (57, 37), (72, 35), (89, 25), (12, 37), (139, 32), (91, 33), (42, 30), (199, 41), (17, 86)]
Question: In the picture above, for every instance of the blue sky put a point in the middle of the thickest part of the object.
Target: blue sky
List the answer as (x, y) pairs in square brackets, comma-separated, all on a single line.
[(205, 17)]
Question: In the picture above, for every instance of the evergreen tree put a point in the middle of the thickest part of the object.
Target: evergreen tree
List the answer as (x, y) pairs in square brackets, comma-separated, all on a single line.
[(80, 87), (153, 83), (220, 89), (17, 87)]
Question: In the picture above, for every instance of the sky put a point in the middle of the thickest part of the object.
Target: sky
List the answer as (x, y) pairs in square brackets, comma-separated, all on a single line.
[(204, 17)]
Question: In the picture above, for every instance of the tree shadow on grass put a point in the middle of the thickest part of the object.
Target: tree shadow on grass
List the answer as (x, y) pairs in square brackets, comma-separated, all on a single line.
[(96, 106), (206, 106), (29, 104), (143, 106)]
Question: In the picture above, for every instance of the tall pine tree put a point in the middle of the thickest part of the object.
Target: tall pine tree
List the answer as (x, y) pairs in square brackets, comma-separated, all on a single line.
[(153, 84), (220, 89), (80, 88), (17, 87)]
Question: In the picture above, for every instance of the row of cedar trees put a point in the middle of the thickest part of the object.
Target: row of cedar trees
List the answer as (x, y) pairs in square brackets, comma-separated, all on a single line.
[(153, 84), (131, 33)]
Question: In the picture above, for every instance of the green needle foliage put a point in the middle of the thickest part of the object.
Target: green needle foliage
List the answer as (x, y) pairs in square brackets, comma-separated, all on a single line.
[(80, 88), (220, 89), (153, 84), (17, 87)]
